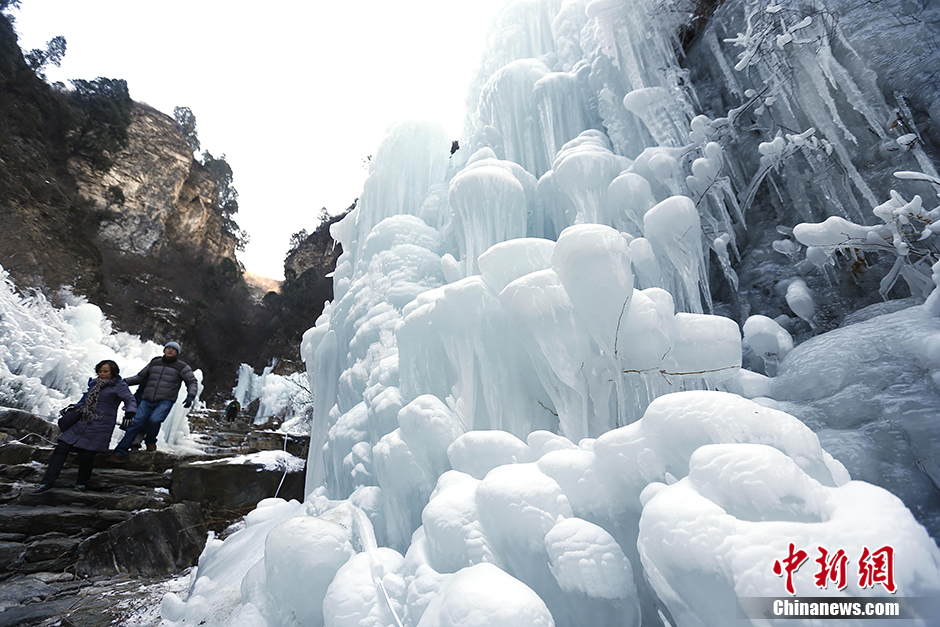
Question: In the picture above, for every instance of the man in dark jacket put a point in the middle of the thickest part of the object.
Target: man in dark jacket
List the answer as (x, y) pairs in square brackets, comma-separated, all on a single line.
[(160, 382)]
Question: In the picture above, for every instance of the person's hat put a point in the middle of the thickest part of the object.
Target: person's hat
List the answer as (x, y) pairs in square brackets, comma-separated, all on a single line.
[(173, 345)]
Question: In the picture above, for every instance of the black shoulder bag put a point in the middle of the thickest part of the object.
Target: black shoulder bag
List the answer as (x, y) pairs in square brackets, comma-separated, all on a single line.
[(69, 416)]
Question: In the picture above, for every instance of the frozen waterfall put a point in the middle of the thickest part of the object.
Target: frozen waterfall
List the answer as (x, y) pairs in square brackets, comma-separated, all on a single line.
[(527, 408)]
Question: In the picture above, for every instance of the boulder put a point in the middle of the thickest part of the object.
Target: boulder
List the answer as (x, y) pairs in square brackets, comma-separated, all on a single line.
[(19, 424), (297, 445), (152, 542), (233, 486)]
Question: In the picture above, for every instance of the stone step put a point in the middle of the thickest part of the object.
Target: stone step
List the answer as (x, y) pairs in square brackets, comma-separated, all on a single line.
[(48, 555), (95, 499), (102, 479), (102, 542), (20, 424), (131, 520), (69, 520), (15, 453), (147, 461), (220, 452)]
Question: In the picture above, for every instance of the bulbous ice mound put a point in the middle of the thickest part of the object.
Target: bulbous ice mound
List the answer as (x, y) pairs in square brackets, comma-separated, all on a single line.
[(355, 600), (587, 559), (478, 452), (489, 207), (704, 493), (715, 536), (505, 262), (301, 558), (485, 596)]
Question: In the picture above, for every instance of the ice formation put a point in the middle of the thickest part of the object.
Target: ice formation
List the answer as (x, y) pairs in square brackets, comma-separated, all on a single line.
[(286, 399), (518, 417), (47, 355), (527, 411)]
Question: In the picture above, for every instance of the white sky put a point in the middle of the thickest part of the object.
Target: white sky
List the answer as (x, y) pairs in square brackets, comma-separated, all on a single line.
[(295, 94)]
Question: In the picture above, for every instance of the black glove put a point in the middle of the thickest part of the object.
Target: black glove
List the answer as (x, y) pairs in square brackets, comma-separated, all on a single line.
[(188, 402), (128, 420)]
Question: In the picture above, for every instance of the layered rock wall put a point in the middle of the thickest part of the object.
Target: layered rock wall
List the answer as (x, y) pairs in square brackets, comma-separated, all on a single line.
[(166, 198)]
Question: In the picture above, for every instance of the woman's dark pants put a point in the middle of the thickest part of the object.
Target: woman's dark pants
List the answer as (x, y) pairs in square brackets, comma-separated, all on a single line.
[(86, 461)]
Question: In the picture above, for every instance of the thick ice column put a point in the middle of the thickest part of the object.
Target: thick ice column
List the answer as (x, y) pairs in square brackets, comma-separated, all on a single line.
[(508, 104), (399, 260), (639, 39), (656, 106), (242, 389), (489, 206), (674, 229), (583, 170), (457, 343), (648, 271), (563, 107), (566, 30), (558, 212), (629, 197), (558, 343), (522, 30), (411, 158), (593, 263), (326, 371), (704, 348)]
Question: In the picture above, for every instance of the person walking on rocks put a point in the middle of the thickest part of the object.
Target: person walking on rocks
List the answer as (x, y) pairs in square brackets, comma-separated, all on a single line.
[(231, 412), (159, 382), (92, 433)]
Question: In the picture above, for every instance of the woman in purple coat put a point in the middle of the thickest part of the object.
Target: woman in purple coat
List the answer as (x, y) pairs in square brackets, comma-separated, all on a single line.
[(92, 433)]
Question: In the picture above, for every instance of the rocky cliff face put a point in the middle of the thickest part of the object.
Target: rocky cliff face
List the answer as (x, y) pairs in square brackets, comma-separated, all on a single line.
[(143, 239), (317, 252), (156, 196), (307, 285)]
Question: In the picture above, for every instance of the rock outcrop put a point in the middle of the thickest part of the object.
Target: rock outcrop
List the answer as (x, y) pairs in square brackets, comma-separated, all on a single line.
[(317, 252), (156, 196)]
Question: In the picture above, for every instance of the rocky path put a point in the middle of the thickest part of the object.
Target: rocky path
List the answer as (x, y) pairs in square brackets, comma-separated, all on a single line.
[(106, 555)]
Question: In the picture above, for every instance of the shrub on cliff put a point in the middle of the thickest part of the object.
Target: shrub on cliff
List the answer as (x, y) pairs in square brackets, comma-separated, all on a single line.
[(101, 113)]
